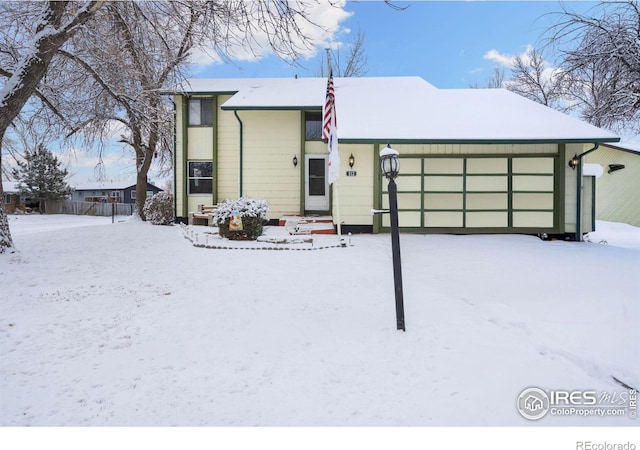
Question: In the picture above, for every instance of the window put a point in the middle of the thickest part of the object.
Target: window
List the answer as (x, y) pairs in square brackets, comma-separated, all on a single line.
[(200, 177), (200, 112), (313, 126)]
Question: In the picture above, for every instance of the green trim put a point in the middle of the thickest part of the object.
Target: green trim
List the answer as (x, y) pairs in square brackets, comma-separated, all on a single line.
[(510, 190), (185, 157), (475, 141), (272, 108), (578, 235), (377, 188), (560, 189), (300, 156), (214, 150), (235, 113), (175, 160), (593, 203), (464, 192)]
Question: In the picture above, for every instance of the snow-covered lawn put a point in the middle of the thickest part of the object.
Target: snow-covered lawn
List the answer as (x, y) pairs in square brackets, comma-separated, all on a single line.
[(130, 324)]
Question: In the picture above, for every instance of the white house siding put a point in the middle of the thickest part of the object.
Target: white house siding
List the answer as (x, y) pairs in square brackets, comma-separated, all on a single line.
[(617, 193), (271, 139), (460, 186)]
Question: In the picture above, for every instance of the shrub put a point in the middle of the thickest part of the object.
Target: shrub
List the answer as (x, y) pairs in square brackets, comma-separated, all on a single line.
[(253, 212), (158, 209)]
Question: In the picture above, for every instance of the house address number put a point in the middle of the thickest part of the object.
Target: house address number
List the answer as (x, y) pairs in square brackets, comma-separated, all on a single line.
[(351, 173)]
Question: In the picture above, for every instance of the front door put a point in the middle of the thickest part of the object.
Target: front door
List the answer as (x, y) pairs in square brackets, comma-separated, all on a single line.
[(316, 186)]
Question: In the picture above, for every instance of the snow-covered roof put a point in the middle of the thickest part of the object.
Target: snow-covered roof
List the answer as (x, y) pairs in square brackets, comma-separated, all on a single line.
[(10, 187), (107, 185), (632, 147), (401, 109), (592, 170)]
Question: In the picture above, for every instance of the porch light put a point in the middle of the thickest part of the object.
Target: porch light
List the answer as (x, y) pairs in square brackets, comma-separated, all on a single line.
[(573, 163), (352, 160), (295, 161), (389, 162)]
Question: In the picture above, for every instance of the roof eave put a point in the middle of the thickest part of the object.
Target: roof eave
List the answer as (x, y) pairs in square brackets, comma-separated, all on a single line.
[(479, 141)]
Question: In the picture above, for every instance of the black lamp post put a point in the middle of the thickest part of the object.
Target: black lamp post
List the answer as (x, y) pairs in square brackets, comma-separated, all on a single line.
[(390, 167)]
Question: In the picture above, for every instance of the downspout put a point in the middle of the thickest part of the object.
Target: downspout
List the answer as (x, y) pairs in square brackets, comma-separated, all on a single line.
[(578, 236), (235, 113), (175, 180)]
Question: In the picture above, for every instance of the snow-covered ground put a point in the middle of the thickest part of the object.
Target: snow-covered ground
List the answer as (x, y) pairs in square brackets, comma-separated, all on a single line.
[(130, 324)]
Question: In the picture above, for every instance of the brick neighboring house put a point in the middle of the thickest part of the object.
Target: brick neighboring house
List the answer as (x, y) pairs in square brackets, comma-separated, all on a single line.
[(12, 199)]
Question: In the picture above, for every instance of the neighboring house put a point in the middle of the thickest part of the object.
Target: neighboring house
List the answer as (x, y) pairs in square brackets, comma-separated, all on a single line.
[(472, 160), (618, 189), (110, 192), (12, 199)]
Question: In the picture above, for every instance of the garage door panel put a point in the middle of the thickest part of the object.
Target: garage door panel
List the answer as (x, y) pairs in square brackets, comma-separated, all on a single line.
[(535, 219), (487, 219), (487, 183), (532, 201), (487, 201), (444, 201), (487, 165), (443, 183), (443, 219)]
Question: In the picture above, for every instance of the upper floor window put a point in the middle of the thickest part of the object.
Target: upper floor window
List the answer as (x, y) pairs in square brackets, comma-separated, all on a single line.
[(313, 126), (200, 112)]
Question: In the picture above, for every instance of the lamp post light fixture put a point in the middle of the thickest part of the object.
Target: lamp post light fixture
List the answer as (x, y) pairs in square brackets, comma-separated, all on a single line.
[(390, 166)]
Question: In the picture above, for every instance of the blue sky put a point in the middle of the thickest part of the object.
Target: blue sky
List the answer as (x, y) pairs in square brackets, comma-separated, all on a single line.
[(444, 42)]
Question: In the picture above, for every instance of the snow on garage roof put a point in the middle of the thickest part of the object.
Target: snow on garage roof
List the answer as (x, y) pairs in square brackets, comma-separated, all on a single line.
[(409, 109)]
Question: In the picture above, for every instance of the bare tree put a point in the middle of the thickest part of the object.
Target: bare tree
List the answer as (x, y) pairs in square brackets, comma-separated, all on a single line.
[(495, 81), (600, 55), (137, 50), (25, 66), (355, 63), (533, 79)]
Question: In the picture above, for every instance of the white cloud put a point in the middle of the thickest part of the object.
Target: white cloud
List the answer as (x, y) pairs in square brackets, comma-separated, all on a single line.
[(321, 29), (499, 58)]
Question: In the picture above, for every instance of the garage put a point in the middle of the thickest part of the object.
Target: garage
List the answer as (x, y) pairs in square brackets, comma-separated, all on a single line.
[(477, 194)]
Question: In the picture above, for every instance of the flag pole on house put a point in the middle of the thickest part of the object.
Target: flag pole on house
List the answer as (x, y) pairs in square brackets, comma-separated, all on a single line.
[(330, 133)]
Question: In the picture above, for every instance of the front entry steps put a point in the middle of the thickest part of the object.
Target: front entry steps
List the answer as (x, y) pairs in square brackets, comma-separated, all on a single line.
[(297, 225)]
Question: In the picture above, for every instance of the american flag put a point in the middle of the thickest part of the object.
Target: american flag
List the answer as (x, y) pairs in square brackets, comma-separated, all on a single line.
[(329, 110), (330, 131)]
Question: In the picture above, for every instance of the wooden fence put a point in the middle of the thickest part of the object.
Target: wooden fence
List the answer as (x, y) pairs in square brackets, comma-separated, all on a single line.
[(88, 208)]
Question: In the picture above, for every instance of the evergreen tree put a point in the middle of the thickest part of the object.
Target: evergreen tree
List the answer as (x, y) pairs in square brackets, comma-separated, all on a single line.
[(41, 177)]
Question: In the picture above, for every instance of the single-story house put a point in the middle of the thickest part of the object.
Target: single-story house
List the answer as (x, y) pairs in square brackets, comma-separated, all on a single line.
[(471, 160), (618, 189), (12, 198), (110, 192)]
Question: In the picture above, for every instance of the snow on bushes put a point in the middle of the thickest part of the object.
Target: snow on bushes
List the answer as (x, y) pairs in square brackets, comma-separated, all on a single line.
[(158, 209), (241, 219)]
